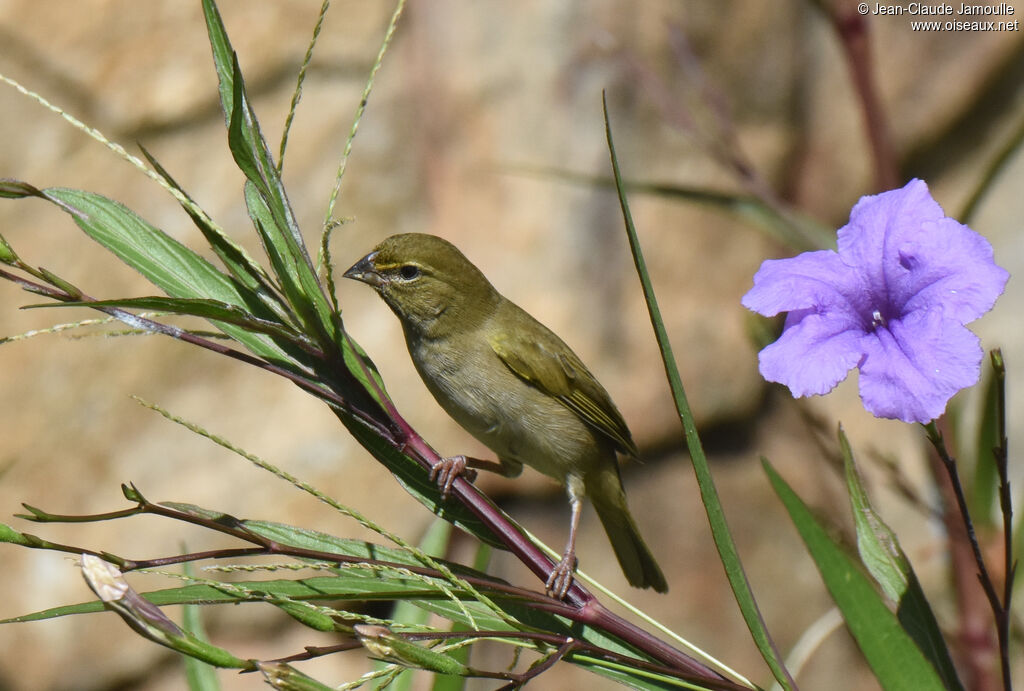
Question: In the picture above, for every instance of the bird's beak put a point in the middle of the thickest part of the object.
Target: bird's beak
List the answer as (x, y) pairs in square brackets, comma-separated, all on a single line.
[(364, 270)]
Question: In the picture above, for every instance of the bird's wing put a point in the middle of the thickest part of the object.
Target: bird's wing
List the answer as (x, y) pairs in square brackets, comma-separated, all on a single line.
[(545, 362)]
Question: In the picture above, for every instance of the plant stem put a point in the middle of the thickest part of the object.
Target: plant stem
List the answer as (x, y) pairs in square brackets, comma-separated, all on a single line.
[(1001, 453), (1000, 614), (852, 29)]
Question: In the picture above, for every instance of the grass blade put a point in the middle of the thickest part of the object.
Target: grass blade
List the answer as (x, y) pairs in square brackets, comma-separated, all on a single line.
[(709, 495)]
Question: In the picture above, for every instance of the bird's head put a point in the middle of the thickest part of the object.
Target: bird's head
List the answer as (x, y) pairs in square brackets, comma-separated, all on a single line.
[(427, 282)]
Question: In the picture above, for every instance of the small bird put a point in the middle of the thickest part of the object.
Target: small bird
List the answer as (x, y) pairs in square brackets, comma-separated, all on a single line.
[(514, 385)]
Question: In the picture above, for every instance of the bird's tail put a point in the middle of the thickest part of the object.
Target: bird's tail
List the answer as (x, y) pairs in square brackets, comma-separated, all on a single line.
[(635, 558)]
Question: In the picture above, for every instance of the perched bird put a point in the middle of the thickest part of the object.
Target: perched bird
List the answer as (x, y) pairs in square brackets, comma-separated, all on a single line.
[(512, 384)]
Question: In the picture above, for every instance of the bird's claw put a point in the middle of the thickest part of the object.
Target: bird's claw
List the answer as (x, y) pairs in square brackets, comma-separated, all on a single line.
[(446, 470), (561, 576)]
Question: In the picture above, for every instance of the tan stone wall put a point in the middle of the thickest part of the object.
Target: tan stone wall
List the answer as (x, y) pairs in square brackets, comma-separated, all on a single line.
[(472, 101)]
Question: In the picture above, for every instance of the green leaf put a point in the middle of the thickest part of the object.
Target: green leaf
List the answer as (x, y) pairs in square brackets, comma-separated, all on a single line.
[(984, 484), (358, 381), (273, 218), (283, 262), (635, 678), (898, 664), (167, 263), (223, 56), (234, 257), (200, 675), (435, 544), (272, 215), (881, 553), (878, 546), (709, 494), (170, 265), (382, 644), (212, 310), (349, 585), (307, 616), (470, 614)]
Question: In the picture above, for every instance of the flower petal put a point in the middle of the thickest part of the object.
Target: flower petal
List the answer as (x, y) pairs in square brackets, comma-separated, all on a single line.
[(914, 366), (948, 264), (881, 223), (910, 256), (817, 280), (814, 354)]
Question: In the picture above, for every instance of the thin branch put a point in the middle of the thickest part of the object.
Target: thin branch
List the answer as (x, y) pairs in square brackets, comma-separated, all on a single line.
[(999, 614), (1001, 453), (852, 29)]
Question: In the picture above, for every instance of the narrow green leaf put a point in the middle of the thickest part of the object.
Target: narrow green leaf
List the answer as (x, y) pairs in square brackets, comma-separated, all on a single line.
[(282, 260), (898, 664), (251, 154), (984, 483), (382, 644), (274, 219), (170, 265), (709, 494), (213, 310), (881, 553), (348, 585), (200, 675), (636, 678), (481, 617), (359, 364), (235, 259), (435, 544), (223, 56), (314, 619), (275, 222)]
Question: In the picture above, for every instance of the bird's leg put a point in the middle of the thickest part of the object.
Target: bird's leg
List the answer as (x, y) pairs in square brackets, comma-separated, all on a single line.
[(561, 575), (446, 470)]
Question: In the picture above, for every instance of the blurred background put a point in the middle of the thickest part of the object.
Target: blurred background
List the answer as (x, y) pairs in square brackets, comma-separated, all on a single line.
[(484, 127)]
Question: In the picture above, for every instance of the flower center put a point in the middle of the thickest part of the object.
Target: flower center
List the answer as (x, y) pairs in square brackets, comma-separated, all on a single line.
[(877, 319)]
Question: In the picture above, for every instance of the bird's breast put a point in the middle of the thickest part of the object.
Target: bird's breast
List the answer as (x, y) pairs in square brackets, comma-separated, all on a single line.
[(511, 417)]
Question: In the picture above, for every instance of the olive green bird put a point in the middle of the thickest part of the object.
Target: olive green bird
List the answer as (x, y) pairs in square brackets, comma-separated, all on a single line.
[(512, 384)]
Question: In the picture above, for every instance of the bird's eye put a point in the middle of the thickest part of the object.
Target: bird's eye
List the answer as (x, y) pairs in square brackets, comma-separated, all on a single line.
[(409, 272)]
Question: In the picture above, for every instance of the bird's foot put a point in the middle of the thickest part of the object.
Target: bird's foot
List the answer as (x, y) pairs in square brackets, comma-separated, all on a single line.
[(446, 470), (561, 576)]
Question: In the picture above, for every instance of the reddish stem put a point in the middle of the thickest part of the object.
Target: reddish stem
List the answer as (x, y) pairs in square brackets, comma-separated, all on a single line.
[(852, 28)]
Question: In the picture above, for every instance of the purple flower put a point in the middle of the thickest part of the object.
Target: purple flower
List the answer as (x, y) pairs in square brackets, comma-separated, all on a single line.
[(892, 302)]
